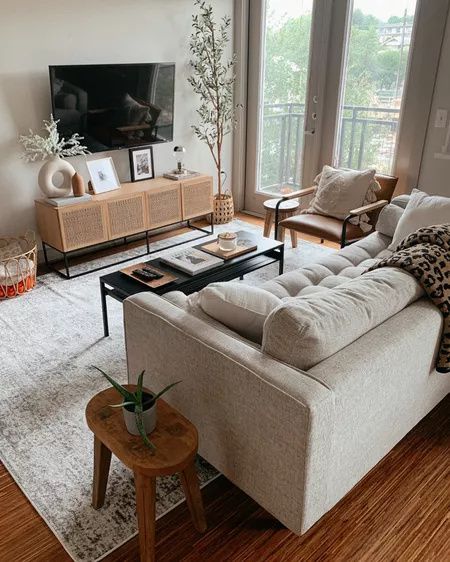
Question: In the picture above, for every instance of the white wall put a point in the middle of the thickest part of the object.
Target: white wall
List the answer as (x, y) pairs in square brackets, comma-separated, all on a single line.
[(35, 34), (435, 173)]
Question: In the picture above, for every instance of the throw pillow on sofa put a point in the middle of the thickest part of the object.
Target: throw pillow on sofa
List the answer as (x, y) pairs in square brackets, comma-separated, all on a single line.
[(341, 190), (241, 307), (422, 210)]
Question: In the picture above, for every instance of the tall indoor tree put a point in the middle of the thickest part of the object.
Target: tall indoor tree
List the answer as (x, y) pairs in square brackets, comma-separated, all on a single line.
[(213, 79)]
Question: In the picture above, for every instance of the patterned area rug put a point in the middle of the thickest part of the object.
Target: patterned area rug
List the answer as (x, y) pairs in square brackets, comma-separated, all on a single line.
[(50, 338)]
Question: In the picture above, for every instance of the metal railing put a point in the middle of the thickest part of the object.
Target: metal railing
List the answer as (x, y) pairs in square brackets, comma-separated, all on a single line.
[(366, 138)]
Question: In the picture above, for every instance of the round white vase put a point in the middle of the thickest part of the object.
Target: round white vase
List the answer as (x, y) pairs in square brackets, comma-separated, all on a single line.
[(52, 166)]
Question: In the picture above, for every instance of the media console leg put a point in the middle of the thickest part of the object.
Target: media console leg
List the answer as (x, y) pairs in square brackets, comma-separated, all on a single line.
[(66, 265)]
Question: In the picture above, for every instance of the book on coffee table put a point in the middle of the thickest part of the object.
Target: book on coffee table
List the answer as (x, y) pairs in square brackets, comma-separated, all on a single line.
[(191, 261), (245, 243)]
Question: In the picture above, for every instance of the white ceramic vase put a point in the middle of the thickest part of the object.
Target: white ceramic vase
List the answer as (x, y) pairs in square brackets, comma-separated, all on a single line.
[(52, 166)]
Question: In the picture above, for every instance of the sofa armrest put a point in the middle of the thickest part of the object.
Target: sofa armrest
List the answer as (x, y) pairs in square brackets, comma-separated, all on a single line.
[(263, 424)]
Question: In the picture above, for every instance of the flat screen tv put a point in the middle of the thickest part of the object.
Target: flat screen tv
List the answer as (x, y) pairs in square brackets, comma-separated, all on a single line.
[(114, 105)]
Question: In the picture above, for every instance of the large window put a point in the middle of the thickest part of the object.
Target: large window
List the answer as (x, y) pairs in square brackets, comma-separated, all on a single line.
[(326, 85), (377, 57), (287, 36)]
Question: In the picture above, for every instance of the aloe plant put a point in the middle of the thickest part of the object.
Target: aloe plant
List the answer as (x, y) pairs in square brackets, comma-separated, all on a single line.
[(135, 399)]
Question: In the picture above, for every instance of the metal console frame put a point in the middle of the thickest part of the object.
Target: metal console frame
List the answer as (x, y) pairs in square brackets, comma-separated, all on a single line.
[(66, 275)]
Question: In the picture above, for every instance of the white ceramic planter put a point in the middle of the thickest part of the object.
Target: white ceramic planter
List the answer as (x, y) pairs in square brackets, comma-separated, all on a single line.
[(47, 174), (148, 418)]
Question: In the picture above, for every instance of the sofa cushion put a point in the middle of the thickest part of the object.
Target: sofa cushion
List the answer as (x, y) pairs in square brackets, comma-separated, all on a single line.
[(388, 219), (241, 307), (332, 269), (422, 210), (306, 330)]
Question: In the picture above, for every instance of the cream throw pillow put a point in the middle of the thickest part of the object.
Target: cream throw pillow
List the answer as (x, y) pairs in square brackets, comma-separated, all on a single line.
[(241, 307), (341, 190), (422, 210)]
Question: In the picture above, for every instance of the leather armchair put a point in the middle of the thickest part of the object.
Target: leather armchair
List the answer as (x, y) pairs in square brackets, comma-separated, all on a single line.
[(330, 228)]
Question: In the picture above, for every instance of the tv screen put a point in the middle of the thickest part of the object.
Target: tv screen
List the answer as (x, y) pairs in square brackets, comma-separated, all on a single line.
[(114, 105)]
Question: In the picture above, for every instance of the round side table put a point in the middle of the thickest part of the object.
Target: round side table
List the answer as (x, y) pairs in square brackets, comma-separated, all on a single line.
[(176, 442), (286, 209)]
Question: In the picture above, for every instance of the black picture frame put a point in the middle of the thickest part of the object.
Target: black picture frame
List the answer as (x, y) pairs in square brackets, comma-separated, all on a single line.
[(135, 173)]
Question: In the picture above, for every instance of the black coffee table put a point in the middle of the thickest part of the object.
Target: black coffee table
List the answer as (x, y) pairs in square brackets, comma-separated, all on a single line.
[(120, 286)]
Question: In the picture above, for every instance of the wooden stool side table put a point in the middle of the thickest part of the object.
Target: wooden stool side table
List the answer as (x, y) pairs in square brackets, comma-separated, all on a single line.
[(176, 442), (287, 209)]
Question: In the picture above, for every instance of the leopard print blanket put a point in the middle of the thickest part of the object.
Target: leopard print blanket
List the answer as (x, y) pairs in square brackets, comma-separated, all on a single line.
[(425, 254)]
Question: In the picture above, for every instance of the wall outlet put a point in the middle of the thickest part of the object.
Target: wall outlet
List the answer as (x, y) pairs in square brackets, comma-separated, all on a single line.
[(441, 118)]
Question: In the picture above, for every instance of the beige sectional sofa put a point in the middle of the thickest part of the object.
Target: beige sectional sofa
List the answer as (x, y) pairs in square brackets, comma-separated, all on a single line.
[(344, 370)]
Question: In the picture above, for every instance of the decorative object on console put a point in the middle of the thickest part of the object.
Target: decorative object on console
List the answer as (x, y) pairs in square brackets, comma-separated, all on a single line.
[(103, 175), (78, 185), (192, 261), (63, 201), (141, 163), (180, 171), (53, 148), (214, 84), (139, 407), (178, 152), (18, 261)]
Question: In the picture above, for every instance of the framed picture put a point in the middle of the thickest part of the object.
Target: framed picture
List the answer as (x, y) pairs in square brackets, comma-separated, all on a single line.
[(103, 175), (141, 163)]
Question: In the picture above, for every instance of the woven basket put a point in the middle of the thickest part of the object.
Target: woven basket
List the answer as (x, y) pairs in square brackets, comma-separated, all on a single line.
[(223, 209), (18, 261)]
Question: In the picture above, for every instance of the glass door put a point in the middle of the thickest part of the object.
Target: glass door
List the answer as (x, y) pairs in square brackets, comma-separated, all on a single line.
[(280, 86), (378, 42), (326, 84)]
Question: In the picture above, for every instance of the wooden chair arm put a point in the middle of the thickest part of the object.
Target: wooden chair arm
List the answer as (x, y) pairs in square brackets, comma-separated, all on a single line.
[(368, 208), (299, 193)]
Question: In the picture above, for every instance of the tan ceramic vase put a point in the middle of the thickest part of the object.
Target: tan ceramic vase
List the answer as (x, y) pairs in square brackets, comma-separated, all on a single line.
[(78, 185)]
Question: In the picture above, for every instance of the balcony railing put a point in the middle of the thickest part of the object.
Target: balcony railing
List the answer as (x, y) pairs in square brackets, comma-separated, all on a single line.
[(367, 138)]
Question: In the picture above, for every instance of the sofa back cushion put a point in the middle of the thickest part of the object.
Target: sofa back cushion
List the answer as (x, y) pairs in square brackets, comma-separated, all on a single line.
[(422, 210), (238, 306), (305, 330)]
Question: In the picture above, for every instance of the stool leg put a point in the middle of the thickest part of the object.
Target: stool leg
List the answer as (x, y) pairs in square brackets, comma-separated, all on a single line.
[(102, 461), (267, 224), (193, 494), (281, 232), (293, 233), (145, 506), (293, 238)]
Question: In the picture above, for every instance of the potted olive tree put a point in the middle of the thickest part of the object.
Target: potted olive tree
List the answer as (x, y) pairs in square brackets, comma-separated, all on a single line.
[(139, 407), (212, 79)]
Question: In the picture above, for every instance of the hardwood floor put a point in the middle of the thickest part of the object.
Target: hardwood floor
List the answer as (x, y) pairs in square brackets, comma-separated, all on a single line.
[(398, 512)]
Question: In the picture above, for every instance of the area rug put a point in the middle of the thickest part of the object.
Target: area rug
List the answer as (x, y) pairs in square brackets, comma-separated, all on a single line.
[(49, 340)]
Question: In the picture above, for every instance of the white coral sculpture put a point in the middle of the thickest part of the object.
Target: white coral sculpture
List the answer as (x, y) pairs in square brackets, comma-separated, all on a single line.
[(38, 147)]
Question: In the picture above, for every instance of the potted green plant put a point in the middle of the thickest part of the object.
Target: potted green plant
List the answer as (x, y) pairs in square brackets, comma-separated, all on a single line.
[(213, 79), (139, 407)]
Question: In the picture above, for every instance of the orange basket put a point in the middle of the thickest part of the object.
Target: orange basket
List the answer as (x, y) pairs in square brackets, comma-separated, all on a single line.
[(18, 261)]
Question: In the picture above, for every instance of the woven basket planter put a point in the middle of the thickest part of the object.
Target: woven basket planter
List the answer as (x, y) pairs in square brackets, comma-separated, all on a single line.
[(223, 209), (18, 261)]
